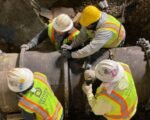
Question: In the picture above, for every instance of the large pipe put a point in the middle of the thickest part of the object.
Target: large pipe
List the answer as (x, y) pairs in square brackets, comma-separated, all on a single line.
[(51, 64)]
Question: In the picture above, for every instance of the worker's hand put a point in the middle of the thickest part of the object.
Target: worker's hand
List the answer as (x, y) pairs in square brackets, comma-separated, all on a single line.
[(87, 89), (25, 46), (89, 75), (65, 46), (66, 53)]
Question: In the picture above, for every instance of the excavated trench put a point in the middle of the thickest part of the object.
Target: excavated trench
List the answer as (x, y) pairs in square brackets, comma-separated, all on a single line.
[(19, 23)]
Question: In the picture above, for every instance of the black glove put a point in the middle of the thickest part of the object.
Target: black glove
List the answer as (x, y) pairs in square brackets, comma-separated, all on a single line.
[(66, 53)]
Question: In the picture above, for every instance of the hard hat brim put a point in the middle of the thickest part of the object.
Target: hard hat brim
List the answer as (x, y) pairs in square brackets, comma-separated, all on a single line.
[(26, 85), (116, 78), (62, 30)]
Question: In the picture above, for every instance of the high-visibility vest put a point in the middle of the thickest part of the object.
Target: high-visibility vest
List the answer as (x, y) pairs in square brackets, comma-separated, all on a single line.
[(124, 102), (72, 36), (43, 103), (113, 25)]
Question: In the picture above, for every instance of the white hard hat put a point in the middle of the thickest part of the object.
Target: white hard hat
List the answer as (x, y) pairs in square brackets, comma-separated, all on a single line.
[(109, 71), (62, 23), (19, 79)]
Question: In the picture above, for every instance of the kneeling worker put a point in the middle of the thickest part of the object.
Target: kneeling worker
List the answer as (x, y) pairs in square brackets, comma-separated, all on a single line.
[(36, 98), (116, 98)]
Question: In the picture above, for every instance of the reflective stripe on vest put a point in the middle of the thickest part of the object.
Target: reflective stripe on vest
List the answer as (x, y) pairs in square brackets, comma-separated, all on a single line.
[(113, 25), (70, 37), (52, 34), (58, 107), (125, 111), (118, 29), (33, 107), (37, 109)]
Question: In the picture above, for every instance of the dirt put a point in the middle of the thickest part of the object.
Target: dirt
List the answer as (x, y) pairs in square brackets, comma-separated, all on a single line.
[(20, 18), (138, 21)]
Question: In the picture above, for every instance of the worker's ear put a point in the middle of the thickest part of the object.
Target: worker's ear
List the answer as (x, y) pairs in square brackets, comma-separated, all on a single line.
[(92, 26)]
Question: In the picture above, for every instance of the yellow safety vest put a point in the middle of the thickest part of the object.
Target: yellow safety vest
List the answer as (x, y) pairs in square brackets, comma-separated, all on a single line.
[(42, 102), (124, 102), (72, 36), (113, 25)]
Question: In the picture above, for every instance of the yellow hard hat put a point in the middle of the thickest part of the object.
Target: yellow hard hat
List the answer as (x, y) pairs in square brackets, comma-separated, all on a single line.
[(89, 15)]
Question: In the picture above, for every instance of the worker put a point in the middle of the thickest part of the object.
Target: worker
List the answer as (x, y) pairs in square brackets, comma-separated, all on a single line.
[(60, 31), (36, 98), (116, 97), (103, 30)]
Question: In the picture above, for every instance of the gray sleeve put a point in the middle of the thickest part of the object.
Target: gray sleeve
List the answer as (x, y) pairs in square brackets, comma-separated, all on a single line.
[(100, 39), (82, 37), (27, 116), (41, 36)]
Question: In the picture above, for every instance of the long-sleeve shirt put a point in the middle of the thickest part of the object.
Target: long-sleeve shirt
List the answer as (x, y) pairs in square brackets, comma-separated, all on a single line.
[(98, 106), (26, 115), (40, 37), (101, 37), (101, 106)]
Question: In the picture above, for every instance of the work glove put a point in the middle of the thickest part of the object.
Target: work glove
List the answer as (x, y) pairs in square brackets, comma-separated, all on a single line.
[(89, 76), (25, 46), (65, 46), (87, 89), (66, 53)]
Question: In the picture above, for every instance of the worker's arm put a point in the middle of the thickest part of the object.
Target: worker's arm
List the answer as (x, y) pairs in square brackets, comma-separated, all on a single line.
[(98, 106), (100, 39), (81, 38), (38, 38)]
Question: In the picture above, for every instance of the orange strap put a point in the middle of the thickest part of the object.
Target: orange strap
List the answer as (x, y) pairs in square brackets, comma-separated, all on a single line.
[(124, 110), (52, 36), (27, 103), (70, 38), (121, 33), (58, 107)]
